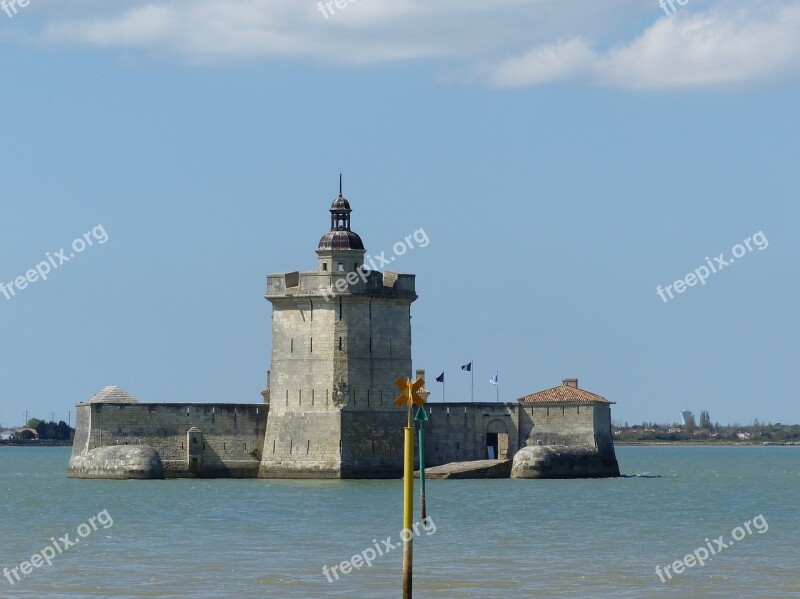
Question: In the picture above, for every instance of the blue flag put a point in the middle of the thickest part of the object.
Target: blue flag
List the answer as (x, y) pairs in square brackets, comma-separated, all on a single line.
[(494, 380), (467, 367), (440, 378)]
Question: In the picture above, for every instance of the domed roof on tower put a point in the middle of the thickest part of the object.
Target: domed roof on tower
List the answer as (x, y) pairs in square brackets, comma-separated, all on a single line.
[(341, 204), (340, 237)]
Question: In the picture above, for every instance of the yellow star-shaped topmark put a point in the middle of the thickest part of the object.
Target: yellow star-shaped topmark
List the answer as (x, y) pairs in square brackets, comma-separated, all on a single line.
[(408, 391)]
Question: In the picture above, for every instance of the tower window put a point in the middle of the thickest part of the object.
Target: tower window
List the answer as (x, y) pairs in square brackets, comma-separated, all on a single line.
[(325, 266), (340, 344), (291, 345), (340, 267)]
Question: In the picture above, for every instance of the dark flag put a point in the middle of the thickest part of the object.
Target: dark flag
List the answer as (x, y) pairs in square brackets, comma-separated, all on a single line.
[(467, 367), (440, 378)]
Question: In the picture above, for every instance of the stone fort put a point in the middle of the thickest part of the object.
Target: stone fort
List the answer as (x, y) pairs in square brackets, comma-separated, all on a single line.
[(341, 336)]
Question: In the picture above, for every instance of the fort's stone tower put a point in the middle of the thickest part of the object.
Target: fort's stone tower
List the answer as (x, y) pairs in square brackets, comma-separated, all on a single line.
[(341, 335)]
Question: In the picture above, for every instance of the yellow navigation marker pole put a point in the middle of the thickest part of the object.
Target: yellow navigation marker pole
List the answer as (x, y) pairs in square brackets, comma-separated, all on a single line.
[(408, 396)]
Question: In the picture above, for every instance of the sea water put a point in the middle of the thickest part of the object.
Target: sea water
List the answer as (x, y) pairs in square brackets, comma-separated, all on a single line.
[(485, 538)]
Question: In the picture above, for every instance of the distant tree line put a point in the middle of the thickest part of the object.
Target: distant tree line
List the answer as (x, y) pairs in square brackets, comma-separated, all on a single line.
[(52, 431), (705, 430)]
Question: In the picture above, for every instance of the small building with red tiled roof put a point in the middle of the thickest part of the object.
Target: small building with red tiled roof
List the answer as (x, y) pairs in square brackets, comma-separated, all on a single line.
[(566, 415), (567, 392), (565, 432)]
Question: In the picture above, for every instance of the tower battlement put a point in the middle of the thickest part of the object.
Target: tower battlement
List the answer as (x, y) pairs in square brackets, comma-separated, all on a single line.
[(329, 285)]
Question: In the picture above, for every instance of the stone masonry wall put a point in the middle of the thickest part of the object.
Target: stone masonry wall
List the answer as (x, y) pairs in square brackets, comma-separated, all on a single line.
[(302, 444), (602, 427), (372, 443), (378, 340), (457, 431), (232, 434), (557, 424), (83, 425)]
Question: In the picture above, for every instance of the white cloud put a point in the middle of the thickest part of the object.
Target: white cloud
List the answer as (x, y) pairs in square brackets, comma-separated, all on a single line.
[(712, 48), (552, 62), (682, 50), (140, 26), (504, 43), (214, 31)]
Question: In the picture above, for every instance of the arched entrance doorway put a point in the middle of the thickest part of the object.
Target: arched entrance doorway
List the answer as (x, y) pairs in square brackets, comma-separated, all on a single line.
[(496, 440)]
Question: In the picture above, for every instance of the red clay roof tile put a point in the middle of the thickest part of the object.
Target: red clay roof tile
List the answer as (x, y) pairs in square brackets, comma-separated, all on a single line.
[(563, 394)]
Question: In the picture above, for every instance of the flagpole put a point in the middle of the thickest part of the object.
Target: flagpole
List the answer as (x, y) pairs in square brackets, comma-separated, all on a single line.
[(472, 382)]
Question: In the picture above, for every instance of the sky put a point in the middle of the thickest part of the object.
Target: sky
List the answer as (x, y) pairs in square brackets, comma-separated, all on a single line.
[(565, 159)]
